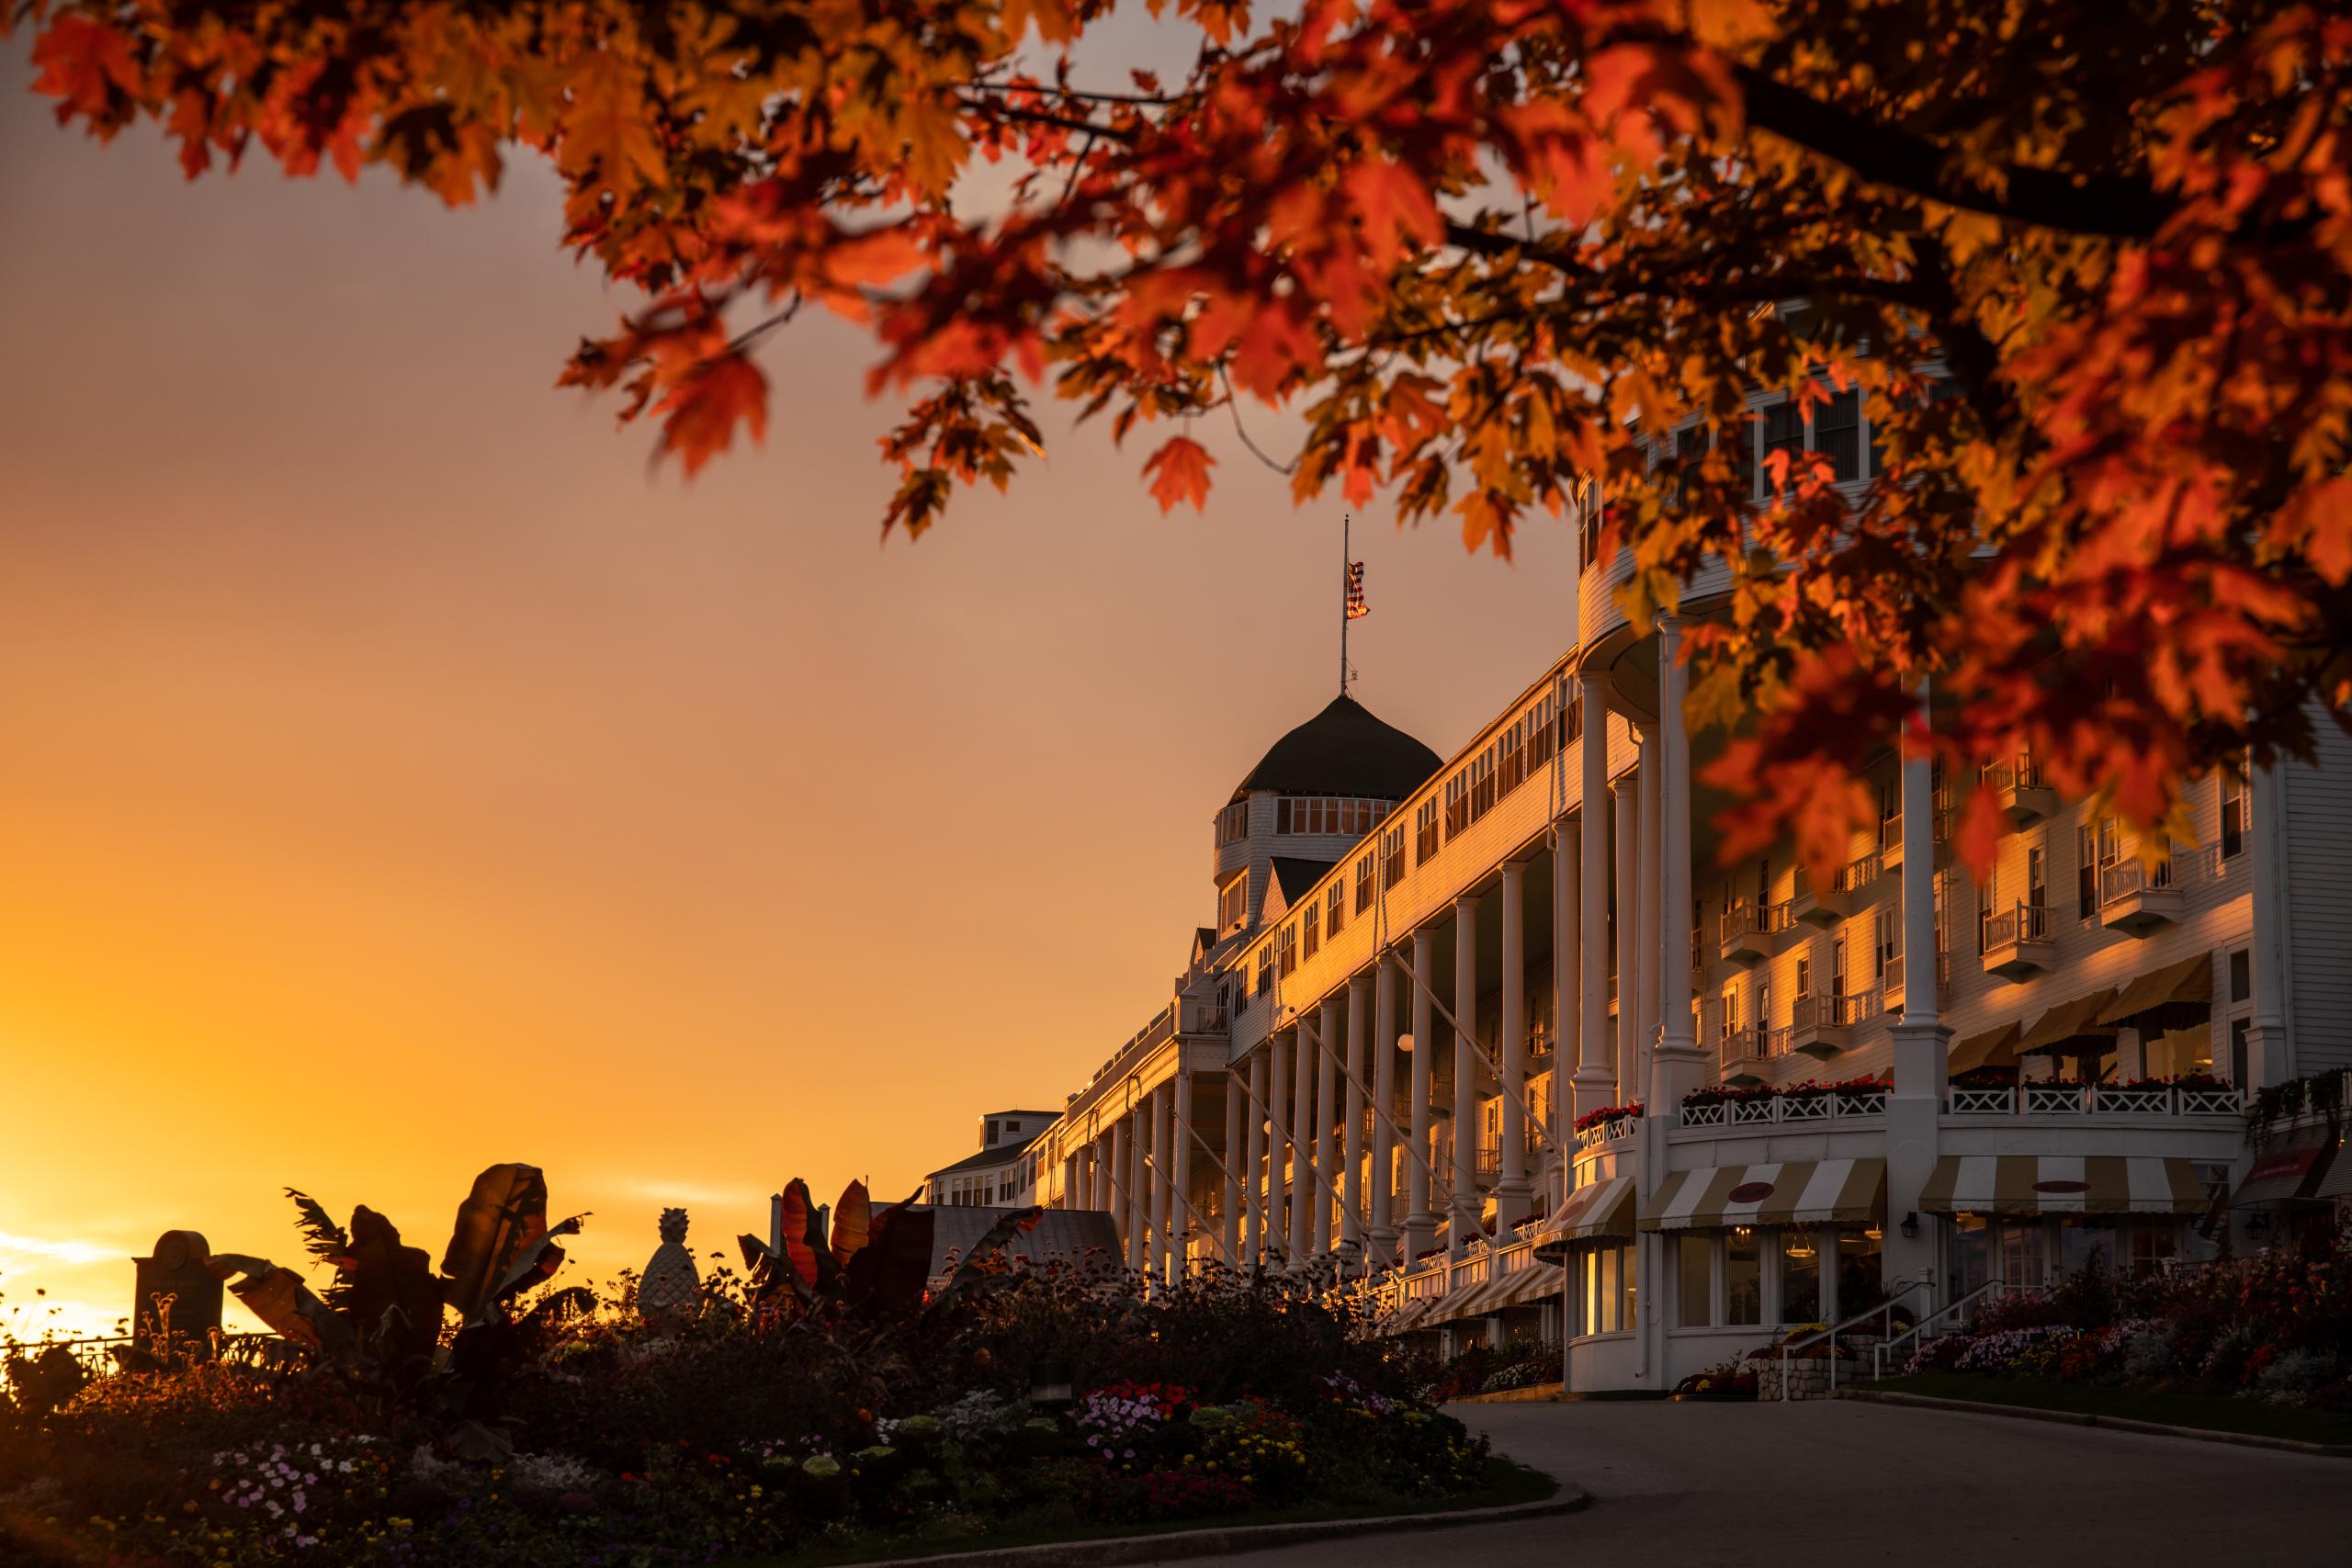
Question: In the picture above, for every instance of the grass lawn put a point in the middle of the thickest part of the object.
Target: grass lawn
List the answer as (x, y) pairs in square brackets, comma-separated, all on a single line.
[(2213, 1412), (1507, 1483)]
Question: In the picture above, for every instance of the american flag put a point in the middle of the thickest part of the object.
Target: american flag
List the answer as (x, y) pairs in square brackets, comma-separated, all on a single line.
[(1357, 608)]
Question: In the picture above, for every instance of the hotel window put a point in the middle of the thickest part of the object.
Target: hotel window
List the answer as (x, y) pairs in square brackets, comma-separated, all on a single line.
[(2233, 812), (1800, 1277), (1543, 729), (1314, 932), (1230, 902), (1457, 803), (1695, 1278), (2242, 1022), (1481, 783), (1783, 431), (1743, 1279), (1425, 835), (1573, 708), (1804, 975), (1233, 824), (1335, 902), (1265, 971), (1690, 454), (1889, 938), (1286, 952), (1391, 857), (1363, 884), (1837, 969), (1838, 433), (2086, 873)]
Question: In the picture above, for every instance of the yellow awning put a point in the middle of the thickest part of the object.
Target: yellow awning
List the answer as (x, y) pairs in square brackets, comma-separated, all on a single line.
[(1993, 1048), (1793, 1192), (2068, 1021), (2189, 981), (1599, 1210)]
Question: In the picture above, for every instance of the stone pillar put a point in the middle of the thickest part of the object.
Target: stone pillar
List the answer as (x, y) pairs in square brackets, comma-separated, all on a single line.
[(1123, 1213), (1922, 1043), (1568, 1004), (2270, 1047), (1352, 1134), (1278, 1149), (1302, 1150), (1511, 1190), (1381, 1221), (1180, 1172), (1228, 1238), (1253, 1246), (1327, 1024), (1420, 1224), (1464, 1211), (1596, 1080), (1627, 794)]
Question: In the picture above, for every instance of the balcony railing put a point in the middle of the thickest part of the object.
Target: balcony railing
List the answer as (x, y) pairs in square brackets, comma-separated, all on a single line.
[(2094, 1099), (1780, 1108), (1741, 1050)]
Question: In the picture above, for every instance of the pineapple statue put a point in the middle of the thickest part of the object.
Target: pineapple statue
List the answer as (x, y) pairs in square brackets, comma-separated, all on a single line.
[(670, 1293)]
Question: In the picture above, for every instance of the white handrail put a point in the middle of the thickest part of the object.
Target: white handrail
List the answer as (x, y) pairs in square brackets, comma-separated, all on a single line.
[(1878, 1352), (1834, 1329)]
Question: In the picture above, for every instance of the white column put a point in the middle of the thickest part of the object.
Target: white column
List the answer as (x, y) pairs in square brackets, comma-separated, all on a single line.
[(1678, 1068), (1123, 1211), (1627, 794), (1568, 975), (1228, 1240), (1922, 1045), (1511, 1190), (2270, 1046), (1253, 1246), (1463, 1211), (1302, 1152), (1652, 897), (1381, 1223), (1420, 1224), (1351, 1135), (1278, 1148), (1179, 1171), (1327, 1024), (1596, 1082), (1163, 1196), (1139, 1186)]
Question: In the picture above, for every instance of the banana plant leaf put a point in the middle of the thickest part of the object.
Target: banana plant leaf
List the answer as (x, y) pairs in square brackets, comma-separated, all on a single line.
[(769, 1274), (502, 1220), (887, 1276), (852, 1216), (322, 1238), (533, 1267), (982, 1259), (804, 1241), (278, 1296), (389, 1291)]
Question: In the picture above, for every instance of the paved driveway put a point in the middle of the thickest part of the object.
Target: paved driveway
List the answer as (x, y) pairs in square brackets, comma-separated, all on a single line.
[(1831, 1483)]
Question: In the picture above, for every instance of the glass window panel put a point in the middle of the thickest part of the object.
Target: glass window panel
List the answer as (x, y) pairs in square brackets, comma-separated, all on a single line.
[(1697, 1281), (1605, 1319), (1838, 433), (1743, 1279), (1858, 1271), (1800, 1277)]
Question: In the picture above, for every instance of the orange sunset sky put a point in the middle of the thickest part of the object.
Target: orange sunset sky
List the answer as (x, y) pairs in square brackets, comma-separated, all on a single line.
[(398, 776)]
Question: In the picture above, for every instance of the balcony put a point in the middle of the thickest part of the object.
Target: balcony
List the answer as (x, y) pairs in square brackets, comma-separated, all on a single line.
[(1777, 1109), (1890, 984), (1750, 931), (2019, 788), (1803, 906), (1823, 1026), (2215, 1100), (1890, 843), (2136, 898), (2016, 942), (1742, 1052), (1856, 881)]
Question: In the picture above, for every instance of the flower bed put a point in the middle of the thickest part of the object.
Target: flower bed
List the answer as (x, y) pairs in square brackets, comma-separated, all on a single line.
[(2276, 1328), (747, 1433)]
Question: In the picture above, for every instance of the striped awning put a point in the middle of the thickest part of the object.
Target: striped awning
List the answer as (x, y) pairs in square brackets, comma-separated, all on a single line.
[(2286, 1167), (2063, 1184), (1599, 1210), (1407, 1316), (1794, 1192)]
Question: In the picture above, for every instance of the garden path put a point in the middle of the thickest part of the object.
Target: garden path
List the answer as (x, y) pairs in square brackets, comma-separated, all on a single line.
[(1844, 1483)]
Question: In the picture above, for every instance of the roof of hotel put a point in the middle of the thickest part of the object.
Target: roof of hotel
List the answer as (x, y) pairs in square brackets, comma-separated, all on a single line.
[(1294, 877), (1343, 750), (996, 1153)]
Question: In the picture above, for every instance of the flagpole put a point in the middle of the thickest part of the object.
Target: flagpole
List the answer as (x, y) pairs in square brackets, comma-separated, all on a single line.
[(1345, 519)]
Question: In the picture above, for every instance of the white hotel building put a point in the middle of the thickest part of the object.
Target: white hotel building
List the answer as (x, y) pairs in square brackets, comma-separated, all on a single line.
[(1426, 973)]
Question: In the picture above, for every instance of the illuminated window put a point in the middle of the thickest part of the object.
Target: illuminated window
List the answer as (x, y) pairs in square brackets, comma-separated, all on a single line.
[(1513, 761), (1265, 971), (1335, 910), (1313, 940), (1425, 837), (1391, 857), (1286, 952), (1363, 885)]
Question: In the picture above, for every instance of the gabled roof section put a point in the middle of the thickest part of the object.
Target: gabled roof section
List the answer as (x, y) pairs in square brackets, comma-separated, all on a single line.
[(1290, 882), (1002, 1154), (1343, 750)]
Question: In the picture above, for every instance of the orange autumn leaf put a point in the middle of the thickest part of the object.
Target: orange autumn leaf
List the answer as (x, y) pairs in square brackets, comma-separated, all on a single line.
[(1180, 471)]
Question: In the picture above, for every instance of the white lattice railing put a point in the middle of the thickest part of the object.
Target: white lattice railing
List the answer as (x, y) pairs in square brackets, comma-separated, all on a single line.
[(2097, 1099), (1781, 1108)]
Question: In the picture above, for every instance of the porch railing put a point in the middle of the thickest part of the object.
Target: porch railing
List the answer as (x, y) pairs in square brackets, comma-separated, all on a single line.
[(1901, 1289)]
